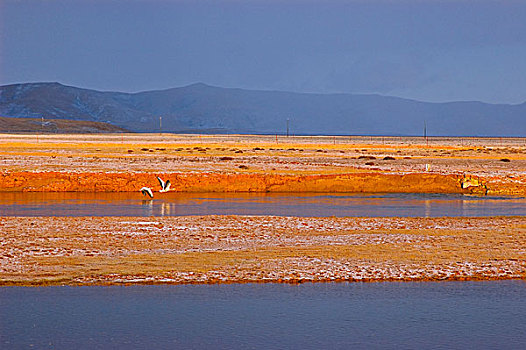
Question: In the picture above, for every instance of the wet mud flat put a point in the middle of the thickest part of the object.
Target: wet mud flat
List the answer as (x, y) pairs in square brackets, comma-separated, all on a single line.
[(228, 249)]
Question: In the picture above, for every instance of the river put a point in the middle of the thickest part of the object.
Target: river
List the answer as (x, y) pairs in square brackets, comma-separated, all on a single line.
[(281, 204), (389, 315)]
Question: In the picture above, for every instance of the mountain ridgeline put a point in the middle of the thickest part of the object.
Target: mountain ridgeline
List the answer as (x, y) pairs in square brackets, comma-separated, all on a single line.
[(207, 109)]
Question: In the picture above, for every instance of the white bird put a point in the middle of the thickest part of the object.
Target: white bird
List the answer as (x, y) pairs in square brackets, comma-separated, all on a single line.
[(165, 185), (147, 191)]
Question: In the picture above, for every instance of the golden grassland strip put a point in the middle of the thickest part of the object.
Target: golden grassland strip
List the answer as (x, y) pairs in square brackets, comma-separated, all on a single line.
[(125, 142), (212, 249), (119, 146), (294, 139), (259, 150)]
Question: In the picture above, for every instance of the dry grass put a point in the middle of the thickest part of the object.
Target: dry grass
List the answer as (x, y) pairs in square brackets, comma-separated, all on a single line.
[(293, 155)]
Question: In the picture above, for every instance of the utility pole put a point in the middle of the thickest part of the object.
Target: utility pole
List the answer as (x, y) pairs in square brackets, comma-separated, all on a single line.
[(287, 127), (425, 132), (160, 125)]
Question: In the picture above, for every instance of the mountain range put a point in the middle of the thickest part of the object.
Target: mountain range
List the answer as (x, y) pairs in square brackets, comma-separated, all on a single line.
[(207, 109)]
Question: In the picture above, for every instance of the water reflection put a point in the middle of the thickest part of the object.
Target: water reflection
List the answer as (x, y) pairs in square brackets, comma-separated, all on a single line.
[(284, 204), (147, 205), (427, 206), (167, 209)]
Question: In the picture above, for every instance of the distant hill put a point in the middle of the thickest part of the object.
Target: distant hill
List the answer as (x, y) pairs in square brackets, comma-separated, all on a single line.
[(60, 126), (206, 109)]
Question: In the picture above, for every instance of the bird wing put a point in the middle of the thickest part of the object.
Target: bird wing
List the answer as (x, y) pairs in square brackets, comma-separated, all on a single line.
[(146, 191), (168, 184), (161, 182), (150, 193)]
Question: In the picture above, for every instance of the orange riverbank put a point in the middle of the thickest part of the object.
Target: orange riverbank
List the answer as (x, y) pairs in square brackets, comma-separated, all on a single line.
[(212, 182)]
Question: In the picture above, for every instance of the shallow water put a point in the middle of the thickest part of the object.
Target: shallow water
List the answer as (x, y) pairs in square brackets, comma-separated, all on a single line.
[(444, 315), (286, 204)]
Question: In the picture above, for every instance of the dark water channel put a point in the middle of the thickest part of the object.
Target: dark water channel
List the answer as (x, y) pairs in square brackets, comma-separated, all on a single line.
[(442, 315), (286, 204)]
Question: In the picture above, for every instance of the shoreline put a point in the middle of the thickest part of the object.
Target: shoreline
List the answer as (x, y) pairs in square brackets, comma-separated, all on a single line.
[(288, 282)]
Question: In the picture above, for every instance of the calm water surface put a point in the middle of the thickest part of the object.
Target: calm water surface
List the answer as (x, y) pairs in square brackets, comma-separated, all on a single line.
[(445, 315), (299, 204)]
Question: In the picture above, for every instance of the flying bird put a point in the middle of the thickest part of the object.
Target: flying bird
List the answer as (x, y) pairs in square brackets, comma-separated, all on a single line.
[(147, 191), (165, 185)]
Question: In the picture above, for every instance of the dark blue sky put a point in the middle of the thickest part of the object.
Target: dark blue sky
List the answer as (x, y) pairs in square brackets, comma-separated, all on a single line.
[(421, 49)]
